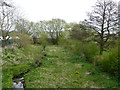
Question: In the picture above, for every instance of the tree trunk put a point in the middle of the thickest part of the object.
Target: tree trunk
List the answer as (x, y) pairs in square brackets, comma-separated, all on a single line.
[(101, 50), (101, 46), (102, 32), (3, 43)]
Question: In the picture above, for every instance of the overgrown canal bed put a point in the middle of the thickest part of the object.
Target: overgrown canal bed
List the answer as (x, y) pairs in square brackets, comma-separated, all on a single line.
[(62, 69), (17, 63), (59, 69)]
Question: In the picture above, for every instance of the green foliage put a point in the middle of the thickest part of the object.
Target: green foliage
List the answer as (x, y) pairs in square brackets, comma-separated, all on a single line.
[(21, 39), (91, 50), (7, 79), (22, 26), (88, 50), (43, 39), (34, 52), (32, 65), (79, 32), (110, 61), (55, 27), (79, 48), (10, 71), (19, 69), (64, 37), (18, 61)]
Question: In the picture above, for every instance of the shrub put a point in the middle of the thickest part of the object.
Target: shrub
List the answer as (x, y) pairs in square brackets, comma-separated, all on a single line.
[(21, 40), (79, 48), (43, 39), (66, 43), (110, 61), (90, 51), (34, 52)]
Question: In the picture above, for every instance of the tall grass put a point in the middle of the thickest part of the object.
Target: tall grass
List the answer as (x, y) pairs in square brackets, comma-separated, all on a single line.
[(109, 61)]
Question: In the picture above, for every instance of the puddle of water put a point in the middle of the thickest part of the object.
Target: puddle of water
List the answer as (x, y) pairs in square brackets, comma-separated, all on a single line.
[(18, 83)]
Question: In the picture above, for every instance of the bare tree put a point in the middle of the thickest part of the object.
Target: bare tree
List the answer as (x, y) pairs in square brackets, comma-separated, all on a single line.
[(6, 20), (119, 16), (104, 20), (22, 26)]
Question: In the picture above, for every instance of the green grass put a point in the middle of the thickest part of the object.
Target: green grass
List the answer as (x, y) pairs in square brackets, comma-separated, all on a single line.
[(14, 63), (62, 69), (0, 78), (0, 68)]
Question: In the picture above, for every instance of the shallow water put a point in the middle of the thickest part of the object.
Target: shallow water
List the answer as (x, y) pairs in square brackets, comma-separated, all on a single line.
[(18, 83)]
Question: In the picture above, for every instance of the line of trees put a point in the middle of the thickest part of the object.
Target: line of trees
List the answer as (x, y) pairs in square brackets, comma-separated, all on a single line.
[(101, 27)]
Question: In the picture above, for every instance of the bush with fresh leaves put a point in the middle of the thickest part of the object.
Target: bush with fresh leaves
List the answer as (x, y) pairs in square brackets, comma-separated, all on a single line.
[(110, 61), (90, 51), (43, 40), (21, 40), (34, 52), (78, 48), (66, 43)]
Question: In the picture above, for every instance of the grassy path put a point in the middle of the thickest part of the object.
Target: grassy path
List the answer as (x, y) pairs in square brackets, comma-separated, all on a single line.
[(61, 69)]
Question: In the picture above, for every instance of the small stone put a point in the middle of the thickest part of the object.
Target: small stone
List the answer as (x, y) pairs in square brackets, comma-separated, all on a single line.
[(87, 73)]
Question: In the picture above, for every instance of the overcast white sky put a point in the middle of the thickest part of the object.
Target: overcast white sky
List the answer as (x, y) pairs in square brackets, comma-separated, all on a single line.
[(69, 10)]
